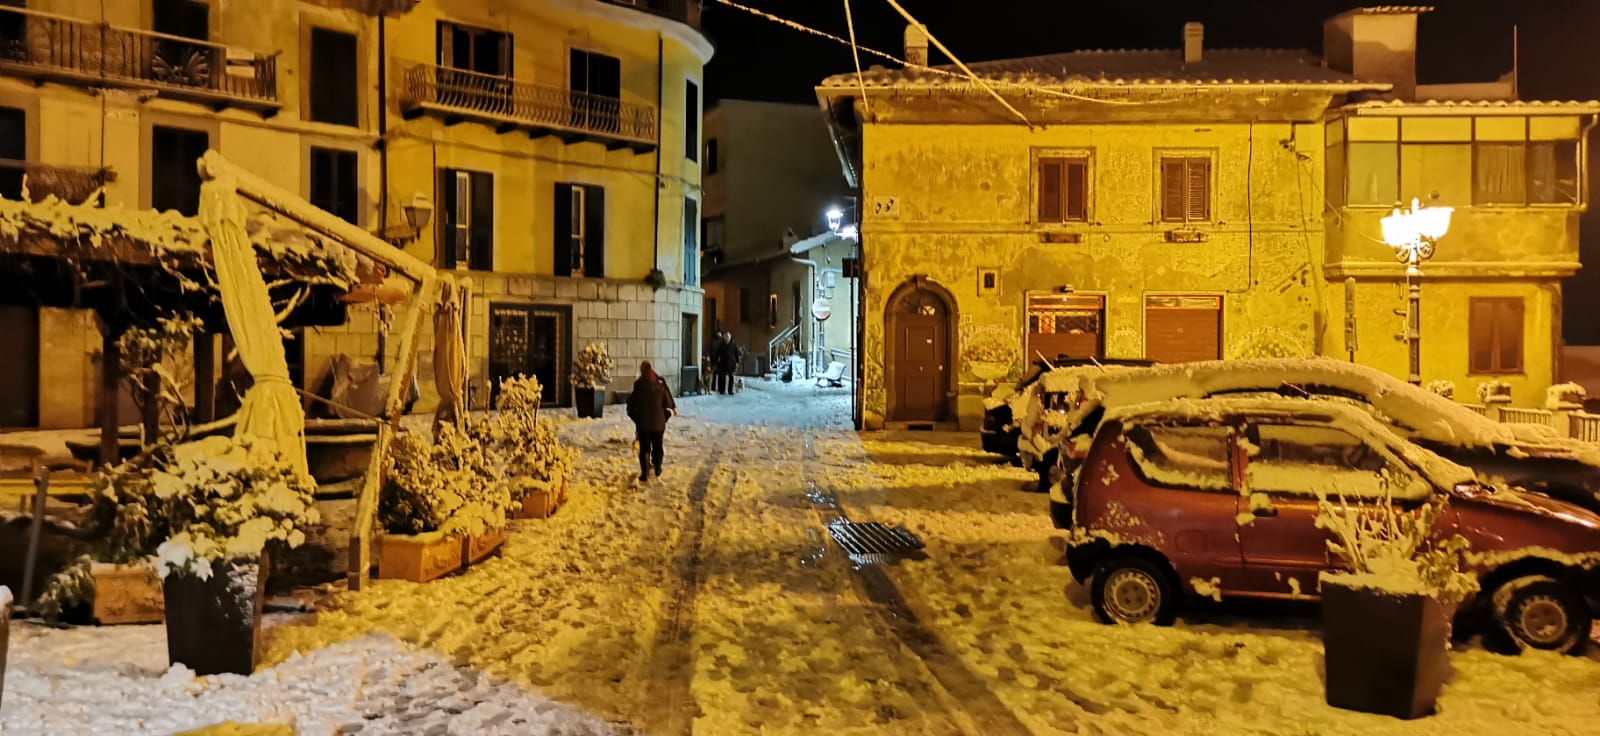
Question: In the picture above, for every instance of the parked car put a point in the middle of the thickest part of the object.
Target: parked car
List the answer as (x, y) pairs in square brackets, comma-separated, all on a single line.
[(1021, 425), (1219, 497), (1532, 457)]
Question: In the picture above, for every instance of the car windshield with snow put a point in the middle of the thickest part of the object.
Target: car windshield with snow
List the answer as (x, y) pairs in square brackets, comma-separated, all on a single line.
[(1220, 498)]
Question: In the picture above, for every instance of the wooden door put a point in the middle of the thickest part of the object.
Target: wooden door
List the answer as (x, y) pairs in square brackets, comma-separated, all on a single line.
[(526, 340), (920, 357), (19, 370)]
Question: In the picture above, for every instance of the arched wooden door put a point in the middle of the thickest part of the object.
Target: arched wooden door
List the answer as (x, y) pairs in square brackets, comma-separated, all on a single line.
[(919, 324)]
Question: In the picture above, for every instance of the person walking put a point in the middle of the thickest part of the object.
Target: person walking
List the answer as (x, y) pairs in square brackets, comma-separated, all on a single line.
[(732, 354), (649, 406), (714, 355)]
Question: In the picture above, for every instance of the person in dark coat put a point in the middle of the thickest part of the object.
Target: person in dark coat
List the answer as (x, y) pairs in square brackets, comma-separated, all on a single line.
[(714, 356), (731, 355), (649, 406)]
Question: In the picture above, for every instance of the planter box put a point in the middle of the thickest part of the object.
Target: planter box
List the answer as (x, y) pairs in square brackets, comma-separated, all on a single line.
[(541, 504), (1385, 653), (418, 558), (589, 402), (214, 625), (126, 594), (475, 549)]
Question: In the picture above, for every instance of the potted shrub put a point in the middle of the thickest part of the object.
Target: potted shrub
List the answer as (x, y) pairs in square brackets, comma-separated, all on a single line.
[(443, 501), (531, 456), (1386, 618), (218, 506), (591, 373)]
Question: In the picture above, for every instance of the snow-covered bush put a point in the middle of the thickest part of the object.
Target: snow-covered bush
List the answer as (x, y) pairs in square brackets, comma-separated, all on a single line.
[(1394, 550), (592, 367), (1442, 387), (144, 351), (524, 448), (1494, 390), (1564, 396), (449, 484)]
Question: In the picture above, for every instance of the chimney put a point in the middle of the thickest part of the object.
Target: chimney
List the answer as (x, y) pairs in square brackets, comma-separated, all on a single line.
[(1194, 36), (916, 45), (1377, 44)]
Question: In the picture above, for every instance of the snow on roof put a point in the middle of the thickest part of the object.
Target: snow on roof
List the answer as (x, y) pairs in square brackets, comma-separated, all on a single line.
[(1387, 10), (1131, 67), (1480, 106), (1439, 471)]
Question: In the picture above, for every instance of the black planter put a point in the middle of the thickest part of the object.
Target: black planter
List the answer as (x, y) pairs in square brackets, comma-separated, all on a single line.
[(214, 625), (590, 402), (1385, 653)]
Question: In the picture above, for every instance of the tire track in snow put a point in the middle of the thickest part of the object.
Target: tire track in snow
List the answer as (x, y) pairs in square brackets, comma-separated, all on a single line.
[(965, 694), (667, 700)]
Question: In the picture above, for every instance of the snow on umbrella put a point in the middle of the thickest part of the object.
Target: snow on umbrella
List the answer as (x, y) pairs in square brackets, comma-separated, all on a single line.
[(270, 408), (449, 355)]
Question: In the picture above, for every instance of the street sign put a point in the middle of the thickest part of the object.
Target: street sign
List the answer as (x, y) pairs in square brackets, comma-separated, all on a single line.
[(821, 309)]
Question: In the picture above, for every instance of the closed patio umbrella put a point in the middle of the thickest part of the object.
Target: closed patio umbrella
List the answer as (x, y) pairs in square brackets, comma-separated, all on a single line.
[(449, 355)]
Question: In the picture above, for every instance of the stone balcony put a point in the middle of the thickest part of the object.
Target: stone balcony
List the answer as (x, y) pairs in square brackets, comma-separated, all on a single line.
[(457, 95)]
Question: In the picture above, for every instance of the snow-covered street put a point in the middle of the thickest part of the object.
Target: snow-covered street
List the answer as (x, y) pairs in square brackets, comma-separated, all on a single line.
[(712, 601)]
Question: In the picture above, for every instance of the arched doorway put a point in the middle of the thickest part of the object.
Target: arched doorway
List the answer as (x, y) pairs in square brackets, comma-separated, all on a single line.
[(918, 336)]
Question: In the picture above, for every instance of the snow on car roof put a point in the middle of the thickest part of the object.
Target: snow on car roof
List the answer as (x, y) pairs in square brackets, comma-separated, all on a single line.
[(1441, 472)]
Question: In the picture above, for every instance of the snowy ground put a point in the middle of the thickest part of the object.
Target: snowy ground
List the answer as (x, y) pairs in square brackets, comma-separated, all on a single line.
[(711, 600)]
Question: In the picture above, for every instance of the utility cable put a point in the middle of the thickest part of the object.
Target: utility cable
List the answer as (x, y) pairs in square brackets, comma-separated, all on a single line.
[(855, 53), (951, 55)]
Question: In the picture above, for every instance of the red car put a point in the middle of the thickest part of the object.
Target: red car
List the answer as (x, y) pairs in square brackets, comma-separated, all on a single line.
[(1219, 497)]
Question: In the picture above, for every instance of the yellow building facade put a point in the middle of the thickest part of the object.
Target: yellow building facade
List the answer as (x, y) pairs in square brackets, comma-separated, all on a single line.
[(326, 99)]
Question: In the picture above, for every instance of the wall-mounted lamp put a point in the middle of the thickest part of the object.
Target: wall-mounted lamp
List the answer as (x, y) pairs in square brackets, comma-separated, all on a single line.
[(418, 211), (835, 218)]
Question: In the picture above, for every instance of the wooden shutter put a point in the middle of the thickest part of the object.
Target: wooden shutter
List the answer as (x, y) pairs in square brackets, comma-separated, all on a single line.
[(561, 239), (1508, 336), (1050, 189), (481, 255), (1172, 197), (1197, 190), (594, 232), (1180, 329), (447, 218), (1076, 206), (1495, 334), (1480, 336)]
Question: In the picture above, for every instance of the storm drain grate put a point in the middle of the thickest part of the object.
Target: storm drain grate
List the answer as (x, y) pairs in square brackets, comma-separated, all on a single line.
[(871, 542)]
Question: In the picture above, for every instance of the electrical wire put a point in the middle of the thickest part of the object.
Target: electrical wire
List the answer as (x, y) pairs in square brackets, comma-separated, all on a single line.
[(855, 53), (960, 64)]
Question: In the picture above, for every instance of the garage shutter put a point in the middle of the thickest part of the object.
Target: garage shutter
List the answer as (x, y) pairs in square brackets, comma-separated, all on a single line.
[(1179, 329), (1070, 325)]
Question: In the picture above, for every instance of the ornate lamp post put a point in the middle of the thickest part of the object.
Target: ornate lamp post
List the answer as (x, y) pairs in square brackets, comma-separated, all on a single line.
[(1413, 233)]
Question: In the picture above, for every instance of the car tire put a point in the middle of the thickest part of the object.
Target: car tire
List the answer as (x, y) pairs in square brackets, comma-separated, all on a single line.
[(1046, 468), (1538, 612), (1129, 589)]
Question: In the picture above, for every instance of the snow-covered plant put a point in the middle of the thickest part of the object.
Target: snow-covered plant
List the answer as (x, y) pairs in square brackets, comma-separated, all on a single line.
[(1564, 396), (1493, 390), (1394, 550), (145, 349), (592, 367), (71, 587), (989, 344), (525, 448), (1442, 387), (450, 484)]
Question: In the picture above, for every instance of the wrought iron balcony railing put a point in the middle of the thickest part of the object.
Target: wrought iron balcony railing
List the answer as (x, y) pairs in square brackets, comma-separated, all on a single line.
[(683, 11), (540, 109), (59, 48), (75, 184)]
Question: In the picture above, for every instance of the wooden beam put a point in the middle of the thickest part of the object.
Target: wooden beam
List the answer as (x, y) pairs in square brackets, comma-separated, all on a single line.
[(110, 377)]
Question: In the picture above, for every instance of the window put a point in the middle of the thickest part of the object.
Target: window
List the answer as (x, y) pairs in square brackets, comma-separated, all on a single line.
[(691, 244), (335, 93), (174, 180), (1063, 189), (1182, 457), (691, 121), (1494, 334), (1312, 460), (796, 309), (1523, 173), (713, 233), (466, 219), (1374, 169), (711, 162), (1179, 329), (13, 151), (185, 18), (1186, 189), (580, 230), (14, 32), (335, 183), (1072, 325), (595, 74), (474, 49), (1488, 161), (772, 310)]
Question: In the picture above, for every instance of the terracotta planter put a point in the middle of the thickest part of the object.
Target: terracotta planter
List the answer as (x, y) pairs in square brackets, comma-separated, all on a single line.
[(589, 402), (418, 558), (476, 548), (542, 504), (126, 594), (214, 625), (1385, 653)]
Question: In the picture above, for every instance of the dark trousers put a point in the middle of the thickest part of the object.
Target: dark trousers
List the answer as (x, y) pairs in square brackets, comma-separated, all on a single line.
[(723, 382), (650, 451)]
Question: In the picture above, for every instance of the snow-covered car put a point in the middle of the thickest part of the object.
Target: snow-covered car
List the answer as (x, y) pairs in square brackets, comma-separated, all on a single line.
[(1220, 498), (1022, 424), (1532, 457)]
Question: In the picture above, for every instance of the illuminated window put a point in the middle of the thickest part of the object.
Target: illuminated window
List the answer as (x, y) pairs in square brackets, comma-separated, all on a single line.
[(1186, 190), (1494, 333), (1066, 325), (1063, 189)]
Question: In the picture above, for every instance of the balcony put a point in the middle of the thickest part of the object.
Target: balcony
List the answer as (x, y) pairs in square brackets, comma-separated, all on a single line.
[(74, 184), (53, 48), (686, 12), (539, 110)]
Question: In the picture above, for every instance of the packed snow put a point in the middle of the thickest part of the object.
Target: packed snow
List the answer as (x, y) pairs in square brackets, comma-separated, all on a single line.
[(712, 600)]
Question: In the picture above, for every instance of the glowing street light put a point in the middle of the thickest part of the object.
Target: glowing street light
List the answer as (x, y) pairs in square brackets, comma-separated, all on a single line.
[(1413, 233), (835, 218)]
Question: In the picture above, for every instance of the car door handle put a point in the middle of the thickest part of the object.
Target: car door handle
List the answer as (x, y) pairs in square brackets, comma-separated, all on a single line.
[(1268, 511)]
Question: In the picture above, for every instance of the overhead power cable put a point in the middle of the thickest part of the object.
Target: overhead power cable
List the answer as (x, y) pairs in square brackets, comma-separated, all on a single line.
[(951, 56)]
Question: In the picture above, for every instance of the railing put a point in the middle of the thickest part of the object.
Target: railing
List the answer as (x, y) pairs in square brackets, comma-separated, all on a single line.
[(683, 11), (75, 184), (1514, 415), (39, 41), (516, 101), (778, 340), (1584, 427)]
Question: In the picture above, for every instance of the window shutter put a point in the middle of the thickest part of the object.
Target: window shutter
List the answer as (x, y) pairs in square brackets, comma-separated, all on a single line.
[(1050, 190), (481, 257), (691, 245), (561, 240), (1172, 179), (1480, 336), (594, 231), (1077, 191), (1197, 193), (447, 218), (1509, 332)]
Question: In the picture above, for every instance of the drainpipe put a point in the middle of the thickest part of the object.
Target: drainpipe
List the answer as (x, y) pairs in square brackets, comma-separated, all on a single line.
[(661, 81), (383, 126)]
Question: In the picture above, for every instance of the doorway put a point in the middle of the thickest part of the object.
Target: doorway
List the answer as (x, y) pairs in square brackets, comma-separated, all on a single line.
[(918, 327), (19, 372), (530, 340)]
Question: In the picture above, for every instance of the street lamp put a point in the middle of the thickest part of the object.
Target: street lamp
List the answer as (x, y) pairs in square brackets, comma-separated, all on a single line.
[(835, 218), (1413, 233), (418, 211)]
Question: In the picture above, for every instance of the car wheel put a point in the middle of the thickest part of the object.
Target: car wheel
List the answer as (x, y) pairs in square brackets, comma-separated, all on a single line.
[(1538, 612), (1047, 471), (1133, 590)]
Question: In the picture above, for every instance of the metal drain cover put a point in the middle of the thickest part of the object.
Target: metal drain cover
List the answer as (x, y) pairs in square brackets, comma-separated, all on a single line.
[(871, 542)]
